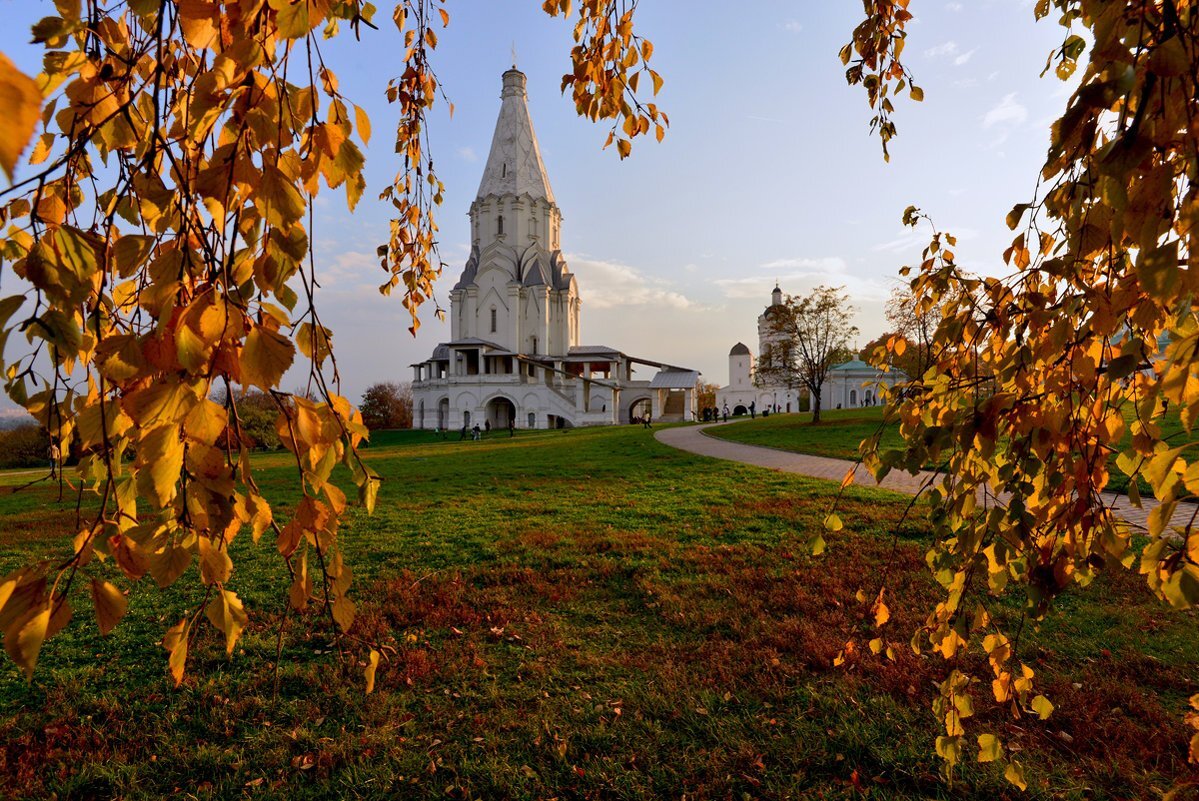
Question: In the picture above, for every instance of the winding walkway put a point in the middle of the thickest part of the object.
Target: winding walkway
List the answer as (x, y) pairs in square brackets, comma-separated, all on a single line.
[(694, 439)]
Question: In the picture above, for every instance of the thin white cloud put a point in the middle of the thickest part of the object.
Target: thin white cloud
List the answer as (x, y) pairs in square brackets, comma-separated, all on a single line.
[(794, 26), (964, 57), (608, 284), (829, 264), (949, 48), (799, 274), (1004, 117), (468, 154), (955, 7), (911, 242)]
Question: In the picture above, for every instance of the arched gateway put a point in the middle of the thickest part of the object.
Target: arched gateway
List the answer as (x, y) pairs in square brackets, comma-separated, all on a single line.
[(501, 411)]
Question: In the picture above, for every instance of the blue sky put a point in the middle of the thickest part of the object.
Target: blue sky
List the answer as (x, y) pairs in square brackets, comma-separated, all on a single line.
[(768, 171)]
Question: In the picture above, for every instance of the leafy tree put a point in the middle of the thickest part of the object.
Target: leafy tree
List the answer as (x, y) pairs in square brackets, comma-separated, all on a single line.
[(705, 394), (1042, 380), (808, 336), (164, 241), (387, 405), (914, 326), (24, 446)]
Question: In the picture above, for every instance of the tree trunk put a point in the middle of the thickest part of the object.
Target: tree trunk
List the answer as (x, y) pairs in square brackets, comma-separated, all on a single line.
[(815, 407)]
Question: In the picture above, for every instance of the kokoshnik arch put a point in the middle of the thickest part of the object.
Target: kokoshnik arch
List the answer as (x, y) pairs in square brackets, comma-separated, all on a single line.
[(515, 314)]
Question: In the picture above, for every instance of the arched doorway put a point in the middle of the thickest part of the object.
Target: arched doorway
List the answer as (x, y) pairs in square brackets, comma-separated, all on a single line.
[(739, 410), (443, 413), (501, 411), (640, 408)]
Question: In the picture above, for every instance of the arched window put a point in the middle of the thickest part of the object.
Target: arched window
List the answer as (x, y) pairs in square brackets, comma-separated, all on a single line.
[(853, 397), (500, 225), (532, 420), (493, 319)]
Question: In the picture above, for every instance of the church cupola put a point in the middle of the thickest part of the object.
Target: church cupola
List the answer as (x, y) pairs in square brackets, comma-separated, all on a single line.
[(776, 297)]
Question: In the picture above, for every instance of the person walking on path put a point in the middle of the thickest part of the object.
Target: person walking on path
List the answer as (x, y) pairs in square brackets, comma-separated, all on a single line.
[(645, 421), (476, 433), (752, 410), (55, 456), (726, 413), (511, 428)]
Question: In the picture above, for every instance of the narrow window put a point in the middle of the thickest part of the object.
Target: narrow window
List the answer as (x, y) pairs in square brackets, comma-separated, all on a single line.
[(500, 228), (504, 170), (534, 346), (493, 320)]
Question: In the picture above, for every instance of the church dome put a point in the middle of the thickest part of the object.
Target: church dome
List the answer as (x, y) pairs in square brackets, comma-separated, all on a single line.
[(739, 350)]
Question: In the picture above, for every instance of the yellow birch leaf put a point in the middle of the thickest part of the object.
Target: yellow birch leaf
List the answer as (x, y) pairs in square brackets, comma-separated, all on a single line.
[(110, 604), (215, 564), (343, 612), (205, 422), (175, 641), (1015, 775), (1042, 706), (168, 563), (301, 585), (849, 474), (368, 490), (371, 665), (21, 101), (833, 522), (989, 748), (881, 613), (364, 123), (225, 611), (24, 638), (265, 358), (260, 515), (160, 460), (278, 199)]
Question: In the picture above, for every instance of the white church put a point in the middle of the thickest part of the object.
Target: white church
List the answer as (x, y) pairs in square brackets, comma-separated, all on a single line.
[(514, 354), (854, 384)]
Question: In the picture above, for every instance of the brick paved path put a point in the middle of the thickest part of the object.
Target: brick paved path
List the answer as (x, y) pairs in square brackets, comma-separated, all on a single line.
[(693, 439)]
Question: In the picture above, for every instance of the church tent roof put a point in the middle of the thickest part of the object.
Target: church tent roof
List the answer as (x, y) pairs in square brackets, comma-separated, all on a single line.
[(514, 165)]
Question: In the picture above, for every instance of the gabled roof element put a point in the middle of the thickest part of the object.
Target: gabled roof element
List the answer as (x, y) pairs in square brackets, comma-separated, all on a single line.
[(674, 379), (739, 350), (514, 166)]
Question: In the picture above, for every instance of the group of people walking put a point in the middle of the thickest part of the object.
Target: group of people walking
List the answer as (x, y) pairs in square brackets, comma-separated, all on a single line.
[(477, 433)]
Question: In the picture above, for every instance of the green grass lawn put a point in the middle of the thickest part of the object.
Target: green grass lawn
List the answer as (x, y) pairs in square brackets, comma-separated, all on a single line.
[(841, 432), (838, 434), (578, 614)]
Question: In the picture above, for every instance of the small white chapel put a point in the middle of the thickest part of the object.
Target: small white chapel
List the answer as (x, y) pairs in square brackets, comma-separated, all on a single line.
[(854, 384), (514, 356)]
